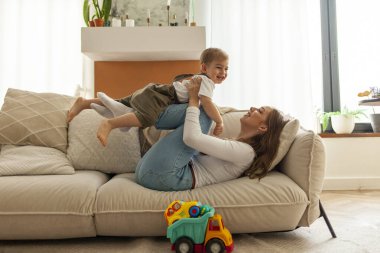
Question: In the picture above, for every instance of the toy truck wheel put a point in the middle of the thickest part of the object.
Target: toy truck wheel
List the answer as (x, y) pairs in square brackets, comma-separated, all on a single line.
[(194, 211), (215, 246), (183, 245)]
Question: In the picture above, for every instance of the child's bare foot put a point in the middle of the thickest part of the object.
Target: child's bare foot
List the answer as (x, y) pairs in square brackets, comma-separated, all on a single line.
[(77, 107), (103, 131)]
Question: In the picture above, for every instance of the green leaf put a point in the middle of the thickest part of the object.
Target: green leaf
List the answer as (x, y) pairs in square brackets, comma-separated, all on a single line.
[(106, 9), (97, 9), (86, 12)]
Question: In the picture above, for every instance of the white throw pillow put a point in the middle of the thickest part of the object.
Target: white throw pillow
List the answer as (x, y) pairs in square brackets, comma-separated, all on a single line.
[(33, 160), (85, 152), (287, 137)]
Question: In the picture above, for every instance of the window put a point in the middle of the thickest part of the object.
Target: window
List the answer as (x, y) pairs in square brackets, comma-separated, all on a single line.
[(358, 37), (353, 49)]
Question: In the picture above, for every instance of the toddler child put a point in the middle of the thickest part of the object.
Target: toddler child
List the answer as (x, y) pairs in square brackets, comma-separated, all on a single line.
[(143, 107)]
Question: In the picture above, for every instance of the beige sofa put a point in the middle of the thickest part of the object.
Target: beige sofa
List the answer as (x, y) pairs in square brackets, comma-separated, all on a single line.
[(93, 192)]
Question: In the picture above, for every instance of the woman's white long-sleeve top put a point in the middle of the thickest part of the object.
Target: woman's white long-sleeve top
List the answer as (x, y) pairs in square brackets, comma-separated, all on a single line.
[(224, 159)]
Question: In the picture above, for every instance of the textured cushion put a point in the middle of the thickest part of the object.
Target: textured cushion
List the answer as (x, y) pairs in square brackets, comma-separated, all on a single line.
[(85, 152), (29, 118), (49, 206), (33, 160), (124, 208), (287, 137)]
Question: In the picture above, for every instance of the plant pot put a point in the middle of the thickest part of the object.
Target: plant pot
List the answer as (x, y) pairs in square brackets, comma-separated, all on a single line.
[(91, 23), (99, 22), (343, 124), (375, 122)]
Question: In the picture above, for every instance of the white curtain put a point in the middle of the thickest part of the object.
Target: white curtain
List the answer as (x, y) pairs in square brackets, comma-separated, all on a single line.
[(275, 53), (40, 45)]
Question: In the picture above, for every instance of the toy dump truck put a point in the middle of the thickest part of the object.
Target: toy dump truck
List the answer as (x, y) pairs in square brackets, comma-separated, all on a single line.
[(202, 233)]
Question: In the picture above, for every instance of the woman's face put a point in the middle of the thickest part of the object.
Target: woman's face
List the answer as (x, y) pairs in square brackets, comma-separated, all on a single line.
[(256, 118)]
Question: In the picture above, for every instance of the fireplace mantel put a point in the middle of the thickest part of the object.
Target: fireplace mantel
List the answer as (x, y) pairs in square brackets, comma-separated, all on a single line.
[(143, 43)]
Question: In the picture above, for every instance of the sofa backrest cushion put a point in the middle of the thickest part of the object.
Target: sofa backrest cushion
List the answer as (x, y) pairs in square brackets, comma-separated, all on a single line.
[(85, 152), (30, 118)]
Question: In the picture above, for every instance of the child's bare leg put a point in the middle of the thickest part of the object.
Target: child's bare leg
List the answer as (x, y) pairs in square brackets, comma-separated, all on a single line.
[(79, 105), (125, 121), (104, 130)]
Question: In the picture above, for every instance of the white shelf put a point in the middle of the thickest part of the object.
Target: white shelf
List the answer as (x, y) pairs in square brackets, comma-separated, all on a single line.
[(143, 43)]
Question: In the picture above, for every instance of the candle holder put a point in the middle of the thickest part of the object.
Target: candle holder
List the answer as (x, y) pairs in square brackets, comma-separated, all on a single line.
[(148, 21), (175, 23), (168, 9)]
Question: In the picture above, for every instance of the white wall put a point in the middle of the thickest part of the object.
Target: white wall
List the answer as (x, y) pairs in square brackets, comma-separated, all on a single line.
[(352, 163)]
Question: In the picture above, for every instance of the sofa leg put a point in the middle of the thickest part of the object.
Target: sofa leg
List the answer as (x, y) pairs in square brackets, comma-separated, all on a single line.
[(324, 215)]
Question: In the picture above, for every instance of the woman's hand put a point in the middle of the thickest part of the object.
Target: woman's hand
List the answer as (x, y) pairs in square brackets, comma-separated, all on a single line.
[(193, 89)]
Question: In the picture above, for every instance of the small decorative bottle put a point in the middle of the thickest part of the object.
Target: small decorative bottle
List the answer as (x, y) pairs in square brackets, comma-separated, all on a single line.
[(174, 23)]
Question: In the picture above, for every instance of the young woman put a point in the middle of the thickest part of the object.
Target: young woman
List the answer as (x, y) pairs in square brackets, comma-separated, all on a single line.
[(188, 158)]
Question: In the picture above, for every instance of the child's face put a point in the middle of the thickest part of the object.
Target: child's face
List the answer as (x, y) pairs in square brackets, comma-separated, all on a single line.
[(216, 70)]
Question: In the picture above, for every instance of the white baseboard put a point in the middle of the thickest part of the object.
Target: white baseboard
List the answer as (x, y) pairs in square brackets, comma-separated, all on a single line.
[(352, 183)]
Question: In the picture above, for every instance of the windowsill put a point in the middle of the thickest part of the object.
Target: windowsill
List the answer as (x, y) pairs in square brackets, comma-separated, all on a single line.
[(334, 135)]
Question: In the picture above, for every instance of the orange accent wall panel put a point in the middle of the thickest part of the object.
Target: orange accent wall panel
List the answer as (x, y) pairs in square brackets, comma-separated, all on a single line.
[(120, 78)]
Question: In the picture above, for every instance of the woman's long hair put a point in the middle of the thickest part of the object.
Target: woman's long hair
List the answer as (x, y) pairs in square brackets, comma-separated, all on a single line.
[(266, 145)]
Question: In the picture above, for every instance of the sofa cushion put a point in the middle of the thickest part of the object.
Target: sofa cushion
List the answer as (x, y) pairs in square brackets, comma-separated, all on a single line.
[(287, 137), (124, 208), (85, 152), (49, 206), (30, 118), (33, 160)]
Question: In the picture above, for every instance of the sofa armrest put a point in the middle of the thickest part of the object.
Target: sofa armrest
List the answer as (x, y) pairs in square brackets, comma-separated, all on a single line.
[(305, 165)]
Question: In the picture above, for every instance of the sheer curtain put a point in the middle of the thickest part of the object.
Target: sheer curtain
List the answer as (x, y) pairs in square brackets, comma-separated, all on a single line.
[(40, 45), (275, 53)]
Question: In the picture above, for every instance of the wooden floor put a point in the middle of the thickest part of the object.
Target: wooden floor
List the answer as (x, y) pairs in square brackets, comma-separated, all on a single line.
[(355, 216)]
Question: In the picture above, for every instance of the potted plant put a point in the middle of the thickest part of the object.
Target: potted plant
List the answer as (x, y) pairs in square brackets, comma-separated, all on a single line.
[(373, 97), (342, 122), (101, 13)]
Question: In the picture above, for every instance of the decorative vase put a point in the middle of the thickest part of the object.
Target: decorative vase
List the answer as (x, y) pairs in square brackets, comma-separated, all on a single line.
[(375, 122), (343, 124)]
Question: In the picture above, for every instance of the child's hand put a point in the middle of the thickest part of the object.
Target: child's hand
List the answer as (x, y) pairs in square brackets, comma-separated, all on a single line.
[(218, 129)]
